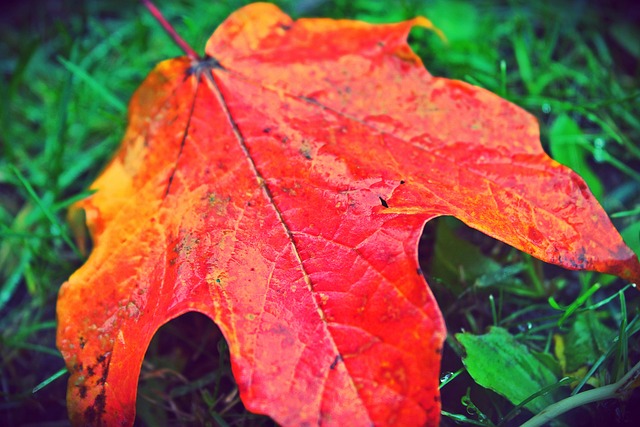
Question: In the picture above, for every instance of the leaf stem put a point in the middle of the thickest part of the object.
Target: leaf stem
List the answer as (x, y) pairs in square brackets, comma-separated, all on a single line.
[(612, 391), (170, 30)]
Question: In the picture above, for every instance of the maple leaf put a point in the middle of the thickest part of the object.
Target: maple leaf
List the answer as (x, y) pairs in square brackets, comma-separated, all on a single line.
[(280, 187)]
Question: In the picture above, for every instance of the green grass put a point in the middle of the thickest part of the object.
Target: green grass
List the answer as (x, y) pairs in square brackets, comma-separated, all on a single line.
[(70, 67)]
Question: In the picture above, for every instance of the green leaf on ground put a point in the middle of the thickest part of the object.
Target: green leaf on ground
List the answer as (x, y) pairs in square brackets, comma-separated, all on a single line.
[(451, 253), (587, 339), (631, 236), (459, 263), (497, 361), (568, 146)]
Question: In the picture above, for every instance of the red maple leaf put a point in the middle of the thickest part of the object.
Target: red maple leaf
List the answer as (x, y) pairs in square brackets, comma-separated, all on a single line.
[(280, 187)]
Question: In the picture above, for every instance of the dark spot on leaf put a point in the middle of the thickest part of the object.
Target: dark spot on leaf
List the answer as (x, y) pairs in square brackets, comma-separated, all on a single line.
[(285, 27), (335, 362), (90, 415), (95, 411), (582, 187), (577, 263), (582, 258), (221, 165), (266, 130), (90, 371), (206, 64), (101, 358), (83, 391), (384, 202), (436, 399), (438, 350), (83, 342), (306, 152), (381, 44), (100, 401), (78, 367), (419, 271), (402, 181), (309, 100), (105, 373)]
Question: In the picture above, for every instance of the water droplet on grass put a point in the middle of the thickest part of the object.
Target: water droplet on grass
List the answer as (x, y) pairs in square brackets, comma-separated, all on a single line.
[(446, 377)]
